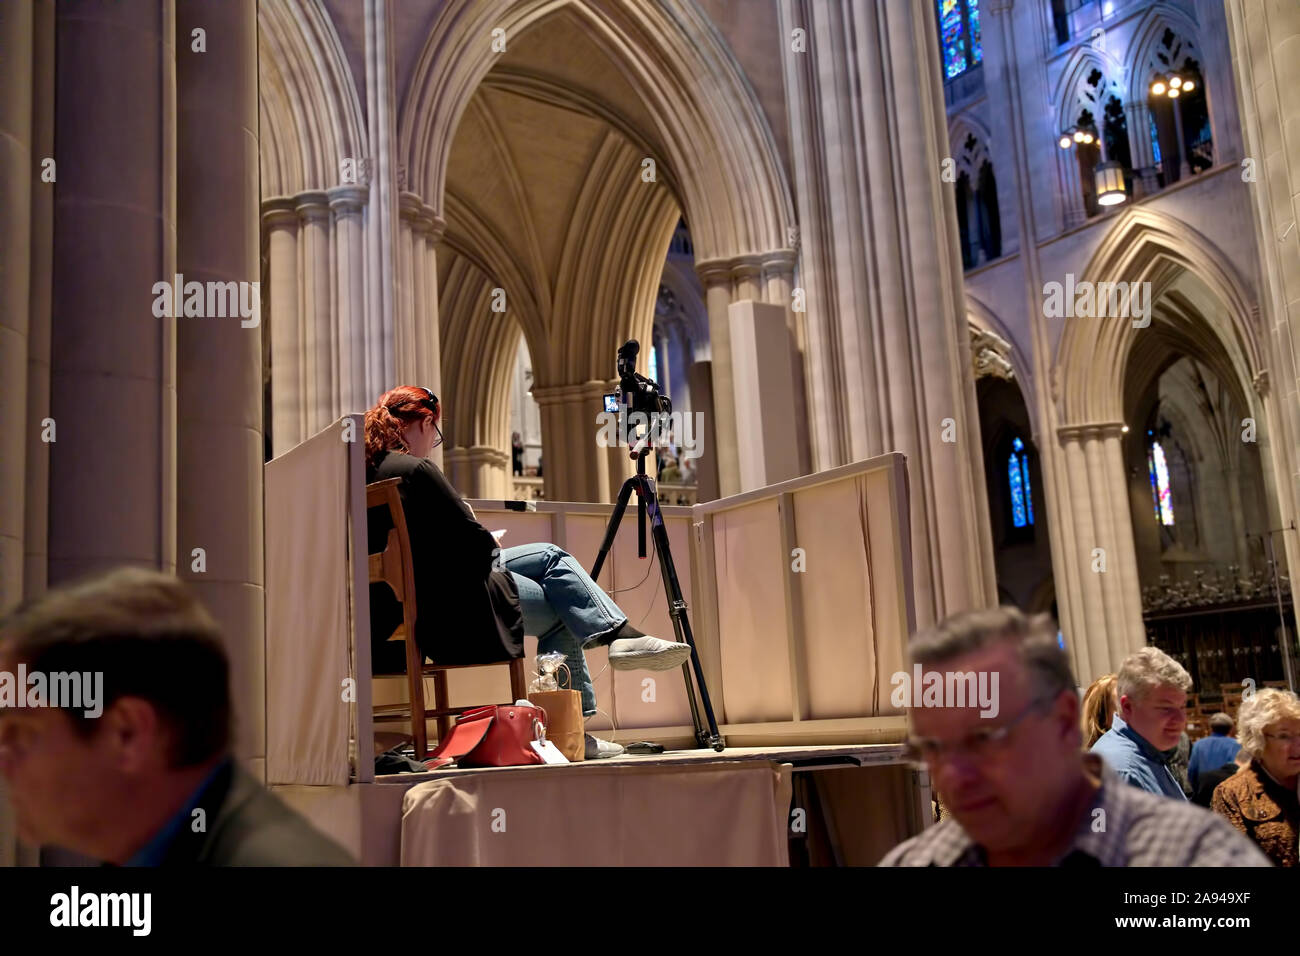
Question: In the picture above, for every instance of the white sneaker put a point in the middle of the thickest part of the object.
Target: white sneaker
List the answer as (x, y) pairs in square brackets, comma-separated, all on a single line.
[(595, 748), (647, 654)]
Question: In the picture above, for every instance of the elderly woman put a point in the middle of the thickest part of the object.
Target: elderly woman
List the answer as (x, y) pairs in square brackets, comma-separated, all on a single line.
[(1261, 800)]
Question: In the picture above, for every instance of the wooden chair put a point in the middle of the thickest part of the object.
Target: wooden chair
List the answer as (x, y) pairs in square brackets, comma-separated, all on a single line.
[(393, 566)]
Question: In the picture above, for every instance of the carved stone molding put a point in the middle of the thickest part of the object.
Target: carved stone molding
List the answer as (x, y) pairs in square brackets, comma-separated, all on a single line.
[(990, 355)]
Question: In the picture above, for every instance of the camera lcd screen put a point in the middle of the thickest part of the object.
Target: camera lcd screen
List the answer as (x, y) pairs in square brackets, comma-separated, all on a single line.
[(611, 402)]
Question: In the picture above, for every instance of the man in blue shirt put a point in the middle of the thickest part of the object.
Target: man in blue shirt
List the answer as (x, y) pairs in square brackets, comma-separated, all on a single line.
[(1152, 715), (1212, 752), (137, 770)]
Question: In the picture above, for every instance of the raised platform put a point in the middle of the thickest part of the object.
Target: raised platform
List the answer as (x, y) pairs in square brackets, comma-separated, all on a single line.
[(744, 806)]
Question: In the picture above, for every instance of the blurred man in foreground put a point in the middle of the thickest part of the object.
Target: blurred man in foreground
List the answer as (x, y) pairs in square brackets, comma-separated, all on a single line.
[(1020, 790), (143, 776)]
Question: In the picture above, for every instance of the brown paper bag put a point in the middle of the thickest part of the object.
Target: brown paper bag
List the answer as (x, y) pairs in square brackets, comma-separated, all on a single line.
[(564, 726)]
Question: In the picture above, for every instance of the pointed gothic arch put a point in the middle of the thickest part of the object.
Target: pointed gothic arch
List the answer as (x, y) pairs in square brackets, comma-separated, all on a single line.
[(1148, 246), (308, 104), (714, 135)]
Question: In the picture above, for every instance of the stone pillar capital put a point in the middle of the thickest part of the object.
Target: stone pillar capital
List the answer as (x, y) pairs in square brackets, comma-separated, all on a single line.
[(558, 394), (312, 206), (779, 260), (437, 227), (415, 213), (746, 267), (347, 200), (279, 213), (486, 455), (714, 272), (1089, 431)]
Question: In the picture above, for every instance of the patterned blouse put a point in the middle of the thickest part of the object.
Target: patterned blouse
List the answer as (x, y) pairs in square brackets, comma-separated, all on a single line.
[(1264, 810)]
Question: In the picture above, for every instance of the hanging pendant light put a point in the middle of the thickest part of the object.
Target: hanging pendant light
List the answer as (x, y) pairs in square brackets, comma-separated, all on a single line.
[(1109, 179)]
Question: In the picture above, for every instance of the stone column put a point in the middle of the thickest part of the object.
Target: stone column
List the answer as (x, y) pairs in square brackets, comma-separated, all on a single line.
[(886, 320), (489, 472), (1074, 210), (418, 296), (319, 396), (37, 496), (457, 471), (706, 466), (716, 277), (16, 171), (431, 315), (113, 362), (356, 393), (1102, 561), (288, 410), (778, 283), (405, 338), (1137, 115), (26, 238), (575, 467), (765, 406), (381, 232), (1264, 39), (219, 406)]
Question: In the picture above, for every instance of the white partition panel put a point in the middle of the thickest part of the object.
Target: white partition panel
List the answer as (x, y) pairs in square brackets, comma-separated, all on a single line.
[(808, 605), (309, 613)]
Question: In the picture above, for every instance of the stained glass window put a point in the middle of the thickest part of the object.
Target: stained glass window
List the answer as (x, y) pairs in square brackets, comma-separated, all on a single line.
[(1161, 496), (1155, 140), (959, 35), (1022, 495), (652, 371)]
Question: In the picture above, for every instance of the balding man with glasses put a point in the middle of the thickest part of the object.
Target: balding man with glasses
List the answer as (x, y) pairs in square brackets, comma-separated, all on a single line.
[(1019, 790)]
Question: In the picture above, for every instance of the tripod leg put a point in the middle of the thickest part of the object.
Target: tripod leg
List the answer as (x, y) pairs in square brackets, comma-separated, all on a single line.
[(612, 528), (681, 622)]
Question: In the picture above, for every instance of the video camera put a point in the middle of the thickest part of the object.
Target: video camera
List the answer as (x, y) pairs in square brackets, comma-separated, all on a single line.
[(638, 393)]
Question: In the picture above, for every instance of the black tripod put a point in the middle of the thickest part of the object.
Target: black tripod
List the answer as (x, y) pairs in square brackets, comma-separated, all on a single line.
[(646, 500)]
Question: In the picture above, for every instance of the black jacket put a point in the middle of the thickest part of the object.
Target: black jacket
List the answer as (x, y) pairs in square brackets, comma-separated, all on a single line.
[(466, 612)]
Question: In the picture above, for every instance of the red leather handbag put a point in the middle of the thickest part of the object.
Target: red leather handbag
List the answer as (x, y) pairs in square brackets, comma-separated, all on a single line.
[(497, 735)]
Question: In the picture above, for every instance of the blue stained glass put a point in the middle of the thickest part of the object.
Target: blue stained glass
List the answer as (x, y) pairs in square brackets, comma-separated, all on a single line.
[(1155, 488), (1161, 494), (1022, 496), (1029, 494), (1155, 140), (652, 370), (1160, 481), (976, 46), (950, 37), (1017, 491)]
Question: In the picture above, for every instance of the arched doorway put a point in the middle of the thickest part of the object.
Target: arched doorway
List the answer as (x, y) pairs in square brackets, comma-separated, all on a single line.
[(562, 166), (1111, 372)]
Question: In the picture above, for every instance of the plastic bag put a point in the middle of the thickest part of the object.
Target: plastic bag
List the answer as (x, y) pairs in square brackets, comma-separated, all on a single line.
[(548, 666)]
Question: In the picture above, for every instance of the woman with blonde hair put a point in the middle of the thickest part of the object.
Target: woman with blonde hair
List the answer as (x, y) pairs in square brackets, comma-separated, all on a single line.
[(1261, 799), (476, 600), (1099, 706)]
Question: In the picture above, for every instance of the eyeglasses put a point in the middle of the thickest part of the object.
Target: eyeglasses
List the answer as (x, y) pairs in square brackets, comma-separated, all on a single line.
[(431, 403), (979, 745)]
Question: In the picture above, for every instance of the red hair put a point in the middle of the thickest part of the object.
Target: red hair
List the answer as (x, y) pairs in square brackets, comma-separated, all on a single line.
[(395, 410)]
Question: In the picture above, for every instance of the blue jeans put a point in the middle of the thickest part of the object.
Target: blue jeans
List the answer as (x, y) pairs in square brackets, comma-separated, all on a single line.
[(564, 608)]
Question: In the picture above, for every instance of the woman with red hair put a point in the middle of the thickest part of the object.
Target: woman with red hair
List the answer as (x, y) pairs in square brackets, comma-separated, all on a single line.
[(476, 601)]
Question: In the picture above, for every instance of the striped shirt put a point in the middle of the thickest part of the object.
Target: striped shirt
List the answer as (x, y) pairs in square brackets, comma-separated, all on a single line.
[(1134, 828)]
